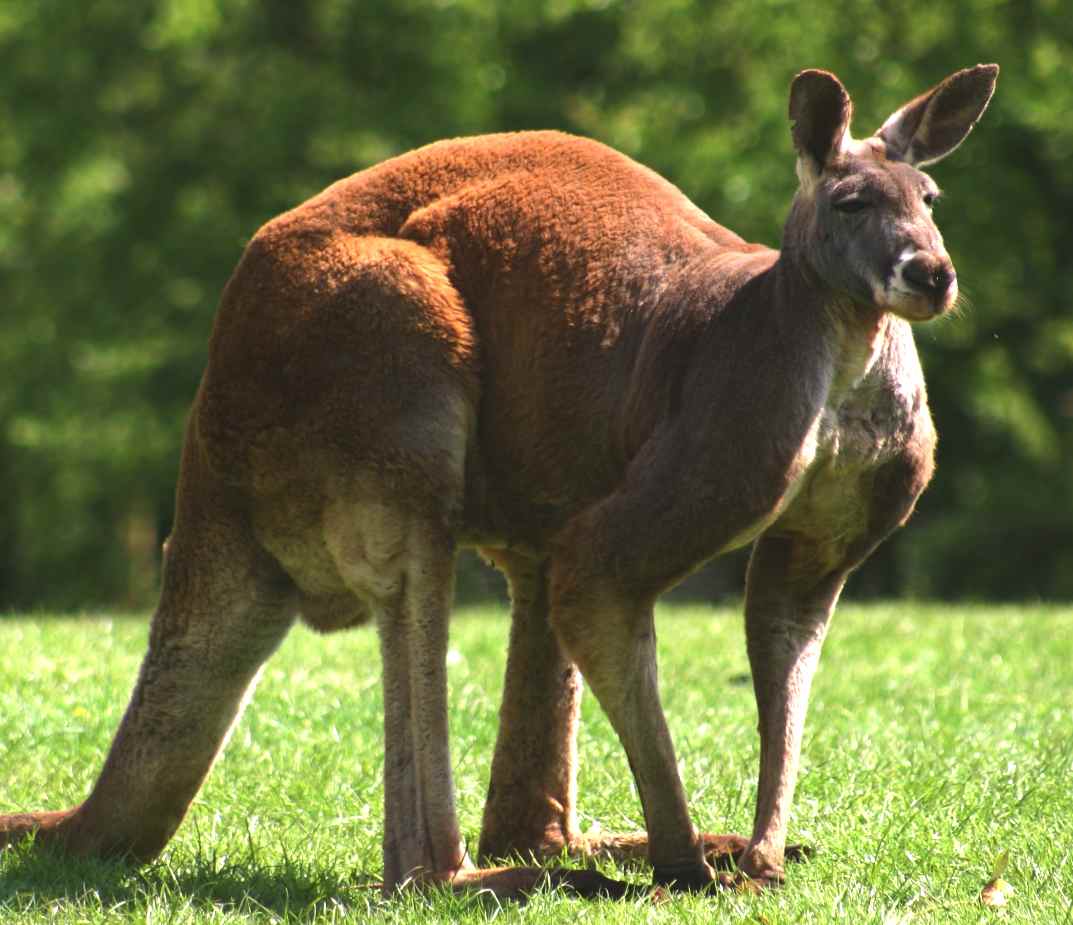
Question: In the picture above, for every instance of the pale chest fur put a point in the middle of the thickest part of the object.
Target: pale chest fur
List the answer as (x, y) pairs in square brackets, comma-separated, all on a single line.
[(876, 414)]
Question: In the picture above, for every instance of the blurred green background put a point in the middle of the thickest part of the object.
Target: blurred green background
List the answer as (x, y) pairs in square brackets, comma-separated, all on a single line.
[(142, 143)]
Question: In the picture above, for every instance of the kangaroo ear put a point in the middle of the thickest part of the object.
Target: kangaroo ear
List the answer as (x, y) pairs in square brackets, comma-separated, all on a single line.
[(928, 128), (820, 110)]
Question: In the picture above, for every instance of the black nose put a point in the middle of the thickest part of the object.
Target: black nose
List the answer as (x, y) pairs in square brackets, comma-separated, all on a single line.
[(930, 273)]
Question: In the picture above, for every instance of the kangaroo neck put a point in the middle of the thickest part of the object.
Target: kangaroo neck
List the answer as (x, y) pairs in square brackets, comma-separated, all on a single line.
[(853, 332)]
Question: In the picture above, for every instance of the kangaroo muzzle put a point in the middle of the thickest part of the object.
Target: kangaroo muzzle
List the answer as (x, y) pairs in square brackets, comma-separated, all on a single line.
[(922, 284)]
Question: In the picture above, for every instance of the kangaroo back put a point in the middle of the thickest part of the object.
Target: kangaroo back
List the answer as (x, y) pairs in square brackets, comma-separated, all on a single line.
[(560, 283)]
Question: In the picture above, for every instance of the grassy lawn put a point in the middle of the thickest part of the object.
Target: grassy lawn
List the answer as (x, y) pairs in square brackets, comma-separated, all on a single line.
[(938, 738)]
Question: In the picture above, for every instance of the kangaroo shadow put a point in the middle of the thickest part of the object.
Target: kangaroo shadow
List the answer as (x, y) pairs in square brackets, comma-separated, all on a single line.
[(295, 891)]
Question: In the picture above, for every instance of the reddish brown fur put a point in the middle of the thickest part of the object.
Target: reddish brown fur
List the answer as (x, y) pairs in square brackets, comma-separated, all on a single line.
[(531, 344)]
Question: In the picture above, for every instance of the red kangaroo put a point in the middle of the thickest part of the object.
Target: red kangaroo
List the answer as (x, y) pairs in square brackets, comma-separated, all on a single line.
[(530, 344)]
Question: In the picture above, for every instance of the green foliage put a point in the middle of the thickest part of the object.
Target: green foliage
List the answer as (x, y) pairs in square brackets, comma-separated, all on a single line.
[(930, 751), (142, 144)]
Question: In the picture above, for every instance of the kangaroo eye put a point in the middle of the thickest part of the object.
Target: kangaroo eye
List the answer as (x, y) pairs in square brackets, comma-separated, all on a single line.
[(851, 205), (930, 199)]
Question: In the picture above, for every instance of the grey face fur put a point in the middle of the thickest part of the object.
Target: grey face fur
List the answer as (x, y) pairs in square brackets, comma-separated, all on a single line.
[(872, 237), (862, 219)]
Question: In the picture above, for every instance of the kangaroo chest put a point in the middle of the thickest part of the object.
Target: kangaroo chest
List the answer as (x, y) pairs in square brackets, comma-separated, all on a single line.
[(878, 420)]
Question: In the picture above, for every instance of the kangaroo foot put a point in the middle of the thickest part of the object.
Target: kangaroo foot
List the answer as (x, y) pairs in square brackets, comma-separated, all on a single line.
[(722, 852), (762, 869), (685, 878)]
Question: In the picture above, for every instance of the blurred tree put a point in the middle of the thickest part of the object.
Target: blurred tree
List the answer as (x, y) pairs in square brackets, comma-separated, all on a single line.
[(142, 143)]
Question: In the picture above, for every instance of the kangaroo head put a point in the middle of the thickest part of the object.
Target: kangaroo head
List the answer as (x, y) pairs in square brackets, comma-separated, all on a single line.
[(861, 221)]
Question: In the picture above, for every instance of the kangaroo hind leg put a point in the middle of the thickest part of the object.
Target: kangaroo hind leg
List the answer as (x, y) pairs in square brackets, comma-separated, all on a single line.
[(531, 809), (532, 794), (388, 511)]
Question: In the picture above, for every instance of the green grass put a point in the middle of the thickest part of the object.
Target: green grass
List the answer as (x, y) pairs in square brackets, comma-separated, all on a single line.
[(938, 738)]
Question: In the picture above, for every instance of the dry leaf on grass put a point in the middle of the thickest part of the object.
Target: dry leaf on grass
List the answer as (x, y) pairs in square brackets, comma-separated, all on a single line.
[(997, 892)]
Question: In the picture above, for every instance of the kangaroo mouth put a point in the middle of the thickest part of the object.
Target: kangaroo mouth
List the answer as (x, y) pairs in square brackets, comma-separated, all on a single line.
[(916, 301), (919, 306)]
